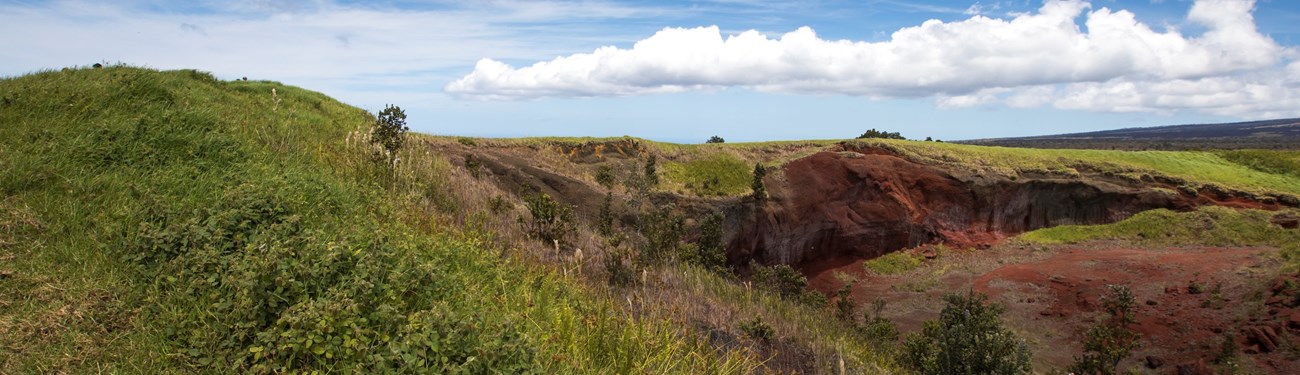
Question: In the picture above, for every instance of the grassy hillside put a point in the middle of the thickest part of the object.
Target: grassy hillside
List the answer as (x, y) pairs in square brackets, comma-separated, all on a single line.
[(170, 222)]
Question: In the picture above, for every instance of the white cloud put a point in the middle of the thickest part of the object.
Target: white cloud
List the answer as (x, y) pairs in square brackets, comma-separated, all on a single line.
[(1112, 63)]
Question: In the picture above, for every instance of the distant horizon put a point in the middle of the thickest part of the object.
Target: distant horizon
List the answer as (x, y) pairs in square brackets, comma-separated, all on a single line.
[(681, 71)]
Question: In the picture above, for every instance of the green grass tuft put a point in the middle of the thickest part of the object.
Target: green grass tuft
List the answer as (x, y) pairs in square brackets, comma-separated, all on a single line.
[(711, 175), (894, 263)]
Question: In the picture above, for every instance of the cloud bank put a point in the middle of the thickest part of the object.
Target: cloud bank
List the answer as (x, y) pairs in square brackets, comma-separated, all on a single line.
[(1107, 62)]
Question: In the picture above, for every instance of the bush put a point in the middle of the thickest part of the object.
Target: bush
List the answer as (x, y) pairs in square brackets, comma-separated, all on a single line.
[(715, 139), (389, 131), (552, 221), (617, 272), (1112, 339), (873, 133), (968, 338), (759, 191), (651, 174), (709, 251), (781, 278), (663, 231), (605, 176), (757, 329), (879, 330), (605, 220)]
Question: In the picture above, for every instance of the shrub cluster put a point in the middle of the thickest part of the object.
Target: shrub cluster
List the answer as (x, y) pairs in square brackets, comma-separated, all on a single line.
[(873, 133), (968, 338), (255, 287)]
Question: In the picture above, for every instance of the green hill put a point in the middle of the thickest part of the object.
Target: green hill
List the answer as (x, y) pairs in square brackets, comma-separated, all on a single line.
[(172, 222)]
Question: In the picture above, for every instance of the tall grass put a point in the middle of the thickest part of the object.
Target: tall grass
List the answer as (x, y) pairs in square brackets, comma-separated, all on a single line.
[(171, 222)]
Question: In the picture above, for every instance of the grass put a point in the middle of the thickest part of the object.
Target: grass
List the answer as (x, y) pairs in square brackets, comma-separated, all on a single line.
[(711, 175), (1195, 167), (170, 222), (894, 263), (1208, 226), (1267, 161)]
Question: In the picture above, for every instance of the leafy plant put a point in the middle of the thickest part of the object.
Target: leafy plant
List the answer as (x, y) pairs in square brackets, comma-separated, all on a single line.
[(879, 329), (605, 219), (551, 221), (844, 304), (715, 139), (1112, 339), (873, 133), (389, 131), (968, 338), (757, 329), (605, 176), (709, 250), (759, 193), (651, 176), (787, 283), (663, 230), (617, 271)]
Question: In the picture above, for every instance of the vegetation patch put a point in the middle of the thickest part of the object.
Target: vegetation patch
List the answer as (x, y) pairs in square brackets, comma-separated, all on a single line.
[(1213, 226), (894, 263), (1267, 161), (717, 174)]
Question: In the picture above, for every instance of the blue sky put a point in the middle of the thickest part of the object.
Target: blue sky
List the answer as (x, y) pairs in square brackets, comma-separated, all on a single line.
[(681, 71)]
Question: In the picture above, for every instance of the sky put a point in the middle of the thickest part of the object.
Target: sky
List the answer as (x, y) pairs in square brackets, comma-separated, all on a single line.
[(682, 71)]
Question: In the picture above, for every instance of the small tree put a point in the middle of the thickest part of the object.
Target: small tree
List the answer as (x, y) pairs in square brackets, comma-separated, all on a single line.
[(551, 220), (389, 131), (760, 192), (663, 231), (1111, 340), (711, 253), (651, 174), (968, 338), (873, 133), (715, 139), (605, 222)]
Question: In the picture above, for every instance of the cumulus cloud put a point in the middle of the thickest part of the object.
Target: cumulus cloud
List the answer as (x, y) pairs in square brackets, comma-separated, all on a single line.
[(1066, 54)]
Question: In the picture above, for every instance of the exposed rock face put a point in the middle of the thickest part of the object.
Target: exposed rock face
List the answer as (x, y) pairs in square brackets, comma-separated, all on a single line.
[(863, 204)]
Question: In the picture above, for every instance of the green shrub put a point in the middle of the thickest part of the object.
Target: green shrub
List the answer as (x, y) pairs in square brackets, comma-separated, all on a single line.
[(709, 251), (968, 338), (873, 133), (757, 329), (1112, 339), (759, 192), (781, 278), (844, 303), (551, 221), (605, 176), (389, 131), (651, 177), (715, 139), (879, 330), (467, 141), (617, 271), (605, 219), (663, 230)]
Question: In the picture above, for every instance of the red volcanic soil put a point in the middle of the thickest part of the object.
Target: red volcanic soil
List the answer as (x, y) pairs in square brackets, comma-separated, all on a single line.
[(1053, 297), (1187, 299)]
